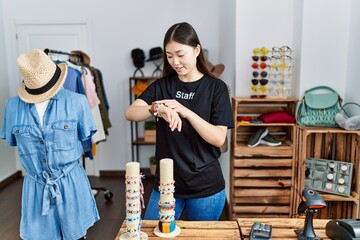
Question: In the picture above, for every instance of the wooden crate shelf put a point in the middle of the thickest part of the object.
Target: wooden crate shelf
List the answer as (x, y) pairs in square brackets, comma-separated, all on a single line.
[(284, 150), (262, 176), (333, 144)]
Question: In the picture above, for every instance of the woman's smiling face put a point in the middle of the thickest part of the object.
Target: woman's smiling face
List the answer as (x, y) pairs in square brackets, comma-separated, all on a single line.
[(182, 58)]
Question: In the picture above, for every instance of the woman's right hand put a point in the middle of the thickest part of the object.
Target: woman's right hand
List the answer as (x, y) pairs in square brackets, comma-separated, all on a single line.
[(170, 116)]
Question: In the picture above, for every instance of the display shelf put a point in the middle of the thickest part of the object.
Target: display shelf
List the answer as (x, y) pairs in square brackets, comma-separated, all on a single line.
[(136, 140), (284, 150), (354, 197), (265, 124), (332, 144), (141, 141), (261, 177)]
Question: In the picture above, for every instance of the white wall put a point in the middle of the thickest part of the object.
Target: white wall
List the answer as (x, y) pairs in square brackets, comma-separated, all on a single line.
[(117, 27), (325, 36), (260, 23), (352, 86), (323, 33), (7, 155)]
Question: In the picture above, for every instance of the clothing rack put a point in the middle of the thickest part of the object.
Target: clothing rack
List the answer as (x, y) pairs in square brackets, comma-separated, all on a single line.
[(79, 56), (107, 193)]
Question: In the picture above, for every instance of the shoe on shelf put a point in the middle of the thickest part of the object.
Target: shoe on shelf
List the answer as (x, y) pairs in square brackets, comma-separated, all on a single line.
[(270, 141), (256, 137)]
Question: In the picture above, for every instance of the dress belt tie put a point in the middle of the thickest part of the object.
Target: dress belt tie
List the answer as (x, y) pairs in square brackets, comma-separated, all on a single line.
[(51, 189)]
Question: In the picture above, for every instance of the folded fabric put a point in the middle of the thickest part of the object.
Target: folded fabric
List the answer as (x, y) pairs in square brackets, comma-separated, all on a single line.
[(277, 117)]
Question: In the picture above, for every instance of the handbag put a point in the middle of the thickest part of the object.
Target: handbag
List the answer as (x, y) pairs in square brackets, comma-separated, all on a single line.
[(318, 109), (347, 121)]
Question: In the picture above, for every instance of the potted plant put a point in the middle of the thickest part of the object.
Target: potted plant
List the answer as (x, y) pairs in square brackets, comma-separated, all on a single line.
[(152, 161), (150, 131)]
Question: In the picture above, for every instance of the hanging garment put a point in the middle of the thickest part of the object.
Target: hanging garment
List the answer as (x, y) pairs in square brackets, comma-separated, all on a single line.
[(93, 101), (104, 106)]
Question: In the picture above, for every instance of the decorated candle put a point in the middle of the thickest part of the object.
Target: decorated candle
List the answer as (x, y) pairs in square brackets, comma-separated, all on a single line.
[(167, 225), (133, 193)]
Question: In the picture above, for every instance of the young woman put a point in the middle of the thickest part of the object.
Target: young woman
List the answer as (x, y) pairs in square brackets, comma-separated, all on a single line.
[(193, 112)]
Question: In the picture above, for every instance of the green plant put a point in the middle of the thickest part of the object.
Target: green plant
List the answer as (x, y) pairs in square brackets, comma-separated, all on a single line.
[(150, 125), (152, 160)]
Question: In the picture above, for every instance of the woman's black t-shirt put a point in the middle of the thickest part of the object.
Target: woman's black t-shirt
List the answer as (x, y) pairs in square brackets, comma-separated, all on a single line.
[(197, 171)]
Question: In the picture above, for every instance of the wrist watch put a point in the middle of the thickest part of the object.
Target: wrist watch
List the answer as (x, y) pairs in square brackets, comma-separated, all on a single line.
[(153, 109)]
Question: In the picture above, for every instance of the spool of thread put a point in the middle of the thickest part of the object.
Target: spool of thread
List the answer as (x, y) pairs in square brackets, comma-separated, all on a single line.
[(341, 189), (341, 181), (344, 168), (332, 166), (330, 177), (328, 186)]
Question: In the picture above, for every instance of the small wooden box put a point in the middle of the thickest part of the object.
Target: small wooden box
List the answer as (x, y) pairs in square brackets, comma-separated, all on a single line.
[(149, 135)]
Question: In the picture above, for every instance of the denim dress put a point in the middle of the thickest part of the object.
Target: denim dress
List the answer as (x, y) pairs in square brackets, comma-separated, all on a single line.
[(57, 201)]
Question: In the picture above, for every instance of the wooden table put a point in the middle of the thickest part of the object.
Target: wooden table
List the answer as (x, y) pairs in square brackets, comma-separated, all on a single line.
[(282, 228), (193, 230)]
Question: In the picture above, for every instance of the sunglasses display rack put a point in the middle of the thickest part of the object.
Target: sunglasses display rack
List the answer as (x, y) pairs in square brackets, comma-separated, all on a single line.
[(272, 72), (328, 176), (280, 75), (260, 64)]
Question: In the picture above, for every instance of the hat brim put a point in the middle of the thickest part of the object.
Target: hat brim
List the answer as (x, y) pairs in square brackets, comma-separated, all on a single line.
[(155, 57), (217, 70), (30, 98), (85, 58)]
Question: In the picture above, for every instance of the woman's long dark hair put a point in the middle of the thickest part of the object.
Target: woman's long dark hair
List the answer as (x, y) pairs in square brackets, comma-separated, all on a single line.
[(183, 33)]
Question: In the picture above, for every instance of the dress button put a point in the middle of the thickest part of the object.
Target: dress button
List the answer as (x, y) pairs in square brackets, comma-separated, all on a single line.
[(41, 141), (17, 131), (65, 126), (44, 160)]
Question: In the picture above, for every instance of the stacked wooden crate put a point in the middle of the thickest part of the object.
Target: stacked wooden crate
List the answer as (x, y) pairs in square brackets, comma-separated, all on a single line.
[(332, 144), (261, 177)]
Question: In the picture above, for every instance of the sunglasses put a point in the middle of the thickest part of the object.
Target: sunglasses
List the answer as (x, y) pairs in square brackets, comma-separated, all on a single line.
[(284, 66), (263, 74), (279, 92), (280, 75), (258, 96), (282, 49), (264, 51), (281, 82), (256, 66), (262, 58), (262, 81), (262, 88)]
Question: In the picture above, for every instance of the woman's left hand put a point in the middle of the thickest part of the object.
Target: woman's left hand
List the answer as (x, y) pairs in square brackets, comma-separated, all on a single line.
[(176, 106)]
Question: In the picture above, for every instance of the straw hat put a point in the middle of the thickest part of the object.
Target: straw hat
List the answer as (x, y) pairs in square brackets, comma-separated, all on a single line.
[(42, 77), (216, 70)]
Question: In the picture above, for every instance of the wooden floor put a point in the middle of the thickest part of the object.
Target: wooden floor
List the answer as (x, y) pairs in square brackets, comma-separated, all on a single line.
[(112, 213)]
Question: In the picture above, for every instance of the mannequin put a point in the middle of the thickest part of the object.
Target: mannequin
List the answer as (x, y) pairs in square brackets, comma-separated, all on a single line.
[(47, 123)]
